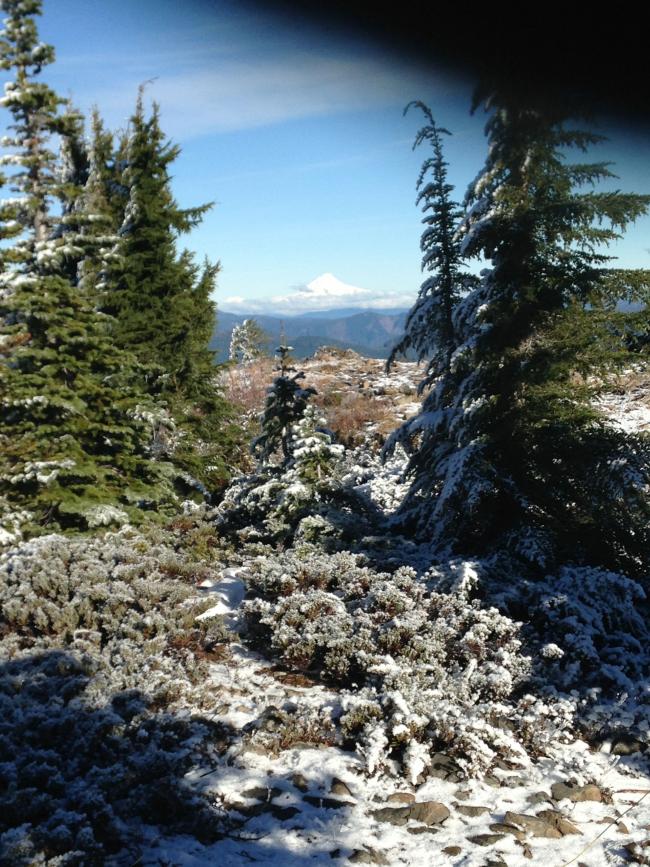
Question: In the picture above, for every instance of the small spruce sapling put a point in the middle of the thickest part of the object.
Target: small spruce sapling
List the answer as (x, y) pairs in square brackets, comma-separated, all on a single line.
[(285, 404), (315, 459)]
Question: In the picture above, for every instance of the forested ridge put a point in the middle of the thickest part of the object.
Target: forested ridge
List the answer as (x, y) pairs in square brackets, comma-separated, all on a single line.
[(209, 573)]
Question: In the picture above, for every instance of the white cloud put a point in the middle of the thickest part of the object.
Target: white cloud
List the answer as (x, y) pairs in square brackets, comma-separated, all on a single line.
[(326, 292), (230, 94)]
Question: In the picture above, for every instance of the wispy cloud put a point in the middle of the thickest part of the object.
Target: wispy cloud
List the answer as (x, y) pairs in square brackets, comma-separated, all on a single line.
[(227, 94), (324, 293)]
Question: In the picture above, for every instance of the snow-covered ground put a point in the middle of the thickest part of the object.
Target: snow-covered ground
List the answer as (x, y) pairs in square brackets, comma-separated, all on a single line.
[(250, 737), (577, 805), (629, 406), (317, 805)]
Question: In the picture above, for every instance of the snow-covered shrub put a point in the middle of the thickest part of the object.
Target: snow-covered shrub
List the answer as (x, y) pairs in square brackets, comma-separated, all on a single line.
[(598, 619), (380, 481), (13, 523), (101, 656), (587, 631), (420, 670), (590, 628), (316, 528), (270, 504), (279, 729)]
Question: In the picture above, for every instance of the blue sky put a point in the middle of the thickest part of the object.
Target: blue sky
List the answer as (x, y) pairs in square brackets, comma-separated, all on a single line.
[(296, 134)]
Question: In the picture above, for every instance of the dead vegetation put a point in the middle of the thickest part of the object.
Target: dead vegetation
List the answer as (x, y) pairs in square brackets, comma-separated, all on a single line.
[(358, 401)]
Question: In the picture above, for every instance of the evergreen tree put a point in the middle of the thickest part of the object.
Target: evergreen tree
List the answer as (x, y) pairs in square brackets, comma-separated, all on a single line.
[(35, 110), (162, 304), (315, 459), (517, 455), (73, 439), (429, 327), (285, 404), (248, 342), (150, 284)]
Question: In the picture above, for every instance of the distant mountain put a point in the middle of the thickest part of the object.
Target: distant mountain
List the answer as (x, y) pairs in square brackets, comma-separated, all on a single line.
[(369, 332), (343, 312)]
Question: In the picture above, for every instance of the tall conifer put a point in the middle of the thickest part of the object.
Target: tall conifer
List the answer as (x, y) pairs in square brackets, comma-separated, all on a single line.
[(519, 456), (73, 430), (162, 304)]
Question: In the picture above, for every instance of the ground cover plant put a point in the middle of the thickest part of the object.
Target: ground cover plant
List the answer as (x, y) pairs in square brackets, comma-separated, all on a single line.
[(468, 594)]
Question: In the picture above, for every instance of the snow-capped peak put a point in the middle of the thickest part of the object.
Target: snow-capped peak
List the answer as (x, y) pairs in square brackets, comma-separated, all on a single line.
[(327, 285)]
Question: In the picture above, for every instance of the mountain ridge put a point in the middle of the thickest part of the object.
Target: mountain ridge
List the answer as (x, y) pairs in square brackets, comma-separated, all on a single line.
[(371, 333)]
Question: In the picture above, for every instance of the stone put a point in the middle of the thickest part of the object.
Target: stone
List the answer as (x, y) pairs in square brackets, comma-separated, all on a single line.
[(393, 815), (538, 798), (278, 812), (261, 793), (401, 798), (367, 856), (470, 810), (627, 746), (639, 851), (452, 850), (443, 767), (327, 803), (282, 813), (559, 821), (538, 827), (428, 812), (300, 782), (339, 787), (422, 829), (503, 828), (560, 791), (486, 839), (526, 851)]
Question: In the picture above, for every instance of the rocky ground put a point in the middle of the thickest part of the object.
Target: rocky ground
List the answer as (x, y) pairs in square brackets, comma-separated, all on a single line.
[(227, 729), (360, 401), (312, 803)]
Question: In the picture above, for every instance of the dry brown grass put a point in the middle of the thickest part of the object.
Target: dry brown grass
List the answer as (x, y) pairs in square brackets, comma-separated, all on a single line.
[(245, 386), (351, 414)]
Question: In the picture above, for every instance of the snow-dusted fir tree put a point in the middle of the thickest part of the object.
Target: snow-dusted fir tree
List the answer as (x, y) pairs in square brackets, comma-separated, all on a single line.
[(315, 459), (517, 455), (429, 327), (272, 503), (162, 304), (431, 334), (285, 404), (36, 117), (248, 342), (72, 452)]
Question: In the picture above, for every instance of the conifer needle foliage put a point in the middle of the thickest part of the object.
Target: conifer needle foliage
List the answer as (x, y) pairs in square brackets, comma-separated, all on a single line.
[(107, 394), (285, 405), (162, 304), (507, 449)]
